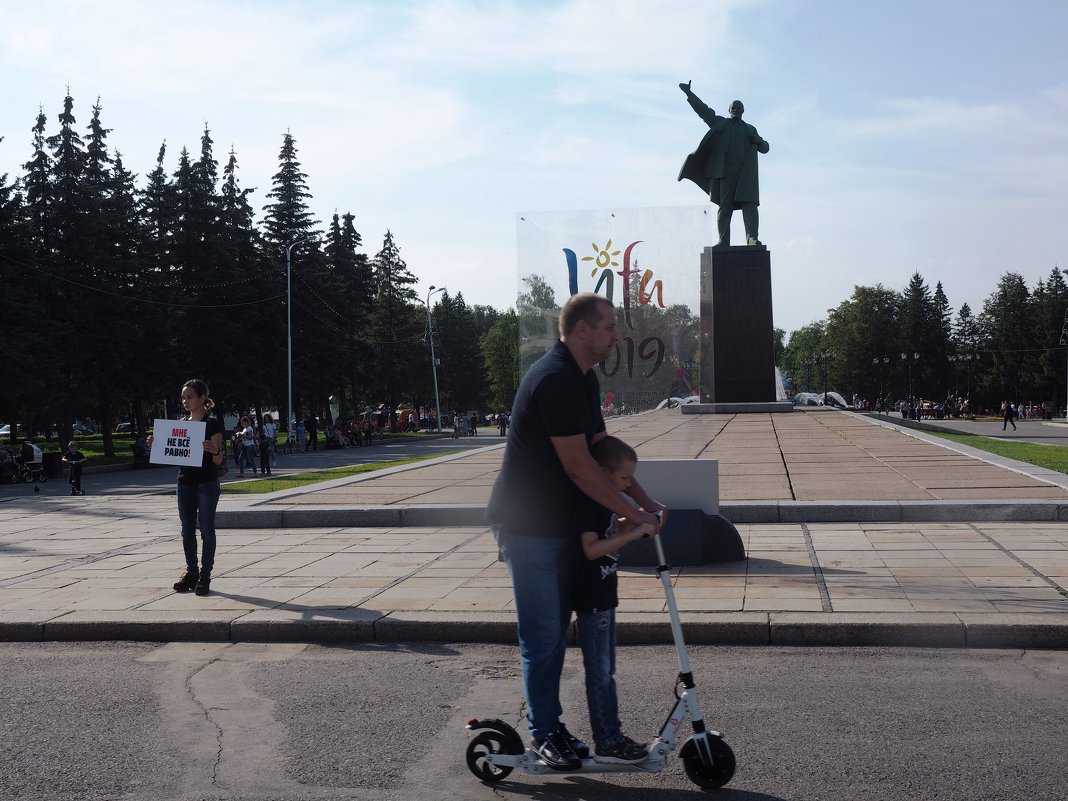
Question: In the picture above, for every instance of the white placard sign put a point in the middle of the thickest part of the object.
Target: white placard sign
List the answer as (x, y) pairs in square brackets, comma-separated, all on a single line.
[(178, 442)]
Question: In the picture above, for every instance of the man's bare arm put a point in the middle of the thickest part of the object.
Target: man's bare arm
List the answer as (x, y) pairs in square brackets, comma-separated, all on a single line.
[(588, 476)]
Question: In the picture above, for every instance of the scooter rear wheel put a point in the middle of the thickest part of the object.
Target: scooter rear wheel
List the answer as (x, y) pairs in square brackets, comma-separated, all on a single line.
[(482, 744), (708, 776)]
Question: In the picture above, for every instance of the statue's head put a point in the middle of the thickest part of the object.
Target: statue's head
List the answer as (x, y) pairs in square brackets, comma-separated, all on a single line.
[(736, 110)]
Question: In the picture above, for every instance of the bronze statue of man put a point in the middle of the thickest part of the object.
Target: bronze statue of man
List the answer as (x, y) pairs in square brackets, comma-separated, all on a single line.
[(725, 166)]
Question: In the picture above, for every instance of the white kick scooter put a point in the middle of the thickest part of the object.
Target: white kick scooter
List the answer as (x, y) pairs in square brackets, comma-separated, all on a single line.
[(497, 749)]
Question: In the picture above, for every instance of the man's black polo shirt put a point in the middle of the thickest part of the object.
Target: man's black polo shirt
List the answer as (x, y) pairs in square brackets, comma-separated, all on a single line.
[(533, 495)]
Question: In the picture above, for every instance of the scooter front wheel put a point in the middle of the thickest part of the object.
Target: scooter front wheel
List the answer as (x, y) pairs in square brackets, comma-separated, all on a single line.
[(708, 776), (481, 745)]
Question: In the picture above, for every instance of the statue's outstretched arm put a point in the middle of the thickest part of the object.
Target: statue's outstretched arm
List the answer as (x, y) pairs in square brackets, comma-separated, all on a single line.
[(703, 111)]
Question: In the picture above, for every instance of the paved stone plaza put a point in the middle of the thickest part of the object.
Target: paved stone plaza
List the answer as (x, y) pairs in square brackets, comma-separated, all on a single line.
[(102, 568)]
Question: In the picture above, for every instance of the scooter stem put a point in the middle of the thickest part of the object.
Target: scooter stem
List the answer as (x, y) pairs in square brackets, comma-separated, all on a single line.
[(664, 571)]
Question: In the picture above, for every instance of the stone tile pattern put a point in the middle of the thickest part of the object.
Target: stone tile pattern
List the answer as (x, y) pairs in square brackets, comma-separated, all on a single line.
[(124, 556), (803, 456)]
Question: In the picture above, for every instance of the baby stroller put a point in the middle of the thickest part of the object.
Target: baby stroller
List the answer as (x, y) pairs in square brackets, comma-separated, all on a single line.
[(460, 427), (29, 464)]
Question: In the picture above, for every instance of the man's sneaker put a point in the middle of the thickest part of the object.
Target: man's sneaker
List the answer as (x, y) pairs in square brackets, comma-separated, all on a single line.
[(624, 751), (187, 582), (203, 584), (556, 753), (582, 751)]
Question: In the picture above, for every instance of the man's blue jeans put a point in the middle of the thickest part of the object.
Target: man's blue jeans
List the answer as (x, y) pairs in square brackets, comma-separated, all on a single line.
[(597, 636), (541, 569), (196, 506)]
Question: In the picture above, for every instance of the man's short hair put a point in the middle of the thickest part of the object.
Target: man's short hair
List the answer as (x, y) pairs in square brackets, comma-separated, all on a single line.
[(583, 306), (611, 452)]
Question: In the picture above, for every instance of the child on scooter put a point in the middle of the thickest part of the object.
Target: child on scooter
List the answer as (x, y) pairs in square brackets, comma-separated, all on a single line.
[(76, 459), (594, 598)]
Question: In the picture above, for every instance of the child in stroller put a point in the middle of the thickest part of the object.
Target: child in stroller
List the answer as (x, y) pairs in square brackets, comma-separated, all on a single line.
[(29, 463)]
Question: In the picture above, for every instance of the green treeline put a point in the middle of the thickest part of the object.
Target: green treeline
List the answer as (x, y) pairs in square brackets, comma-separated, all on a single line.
[(116, 290), (870, 343)]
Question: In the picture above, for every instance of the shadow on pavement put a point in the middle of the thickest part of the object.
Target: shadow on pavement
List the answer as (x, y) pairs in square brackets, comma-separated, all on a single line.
[(581, 787)]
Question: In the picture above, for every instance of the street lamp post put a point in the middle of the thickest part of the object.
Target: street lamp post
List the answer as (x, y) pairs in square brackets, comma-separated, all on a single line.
[(433, 360), (808, 372), (825, 357), (881, 362), (289, 331), (910, 359)]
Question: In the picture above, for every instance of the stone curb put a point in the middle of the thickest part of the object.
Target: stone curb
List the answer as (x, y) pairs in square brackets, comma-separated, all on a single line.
[(894, 511), (800, 629), (397, 516), (394, 516)]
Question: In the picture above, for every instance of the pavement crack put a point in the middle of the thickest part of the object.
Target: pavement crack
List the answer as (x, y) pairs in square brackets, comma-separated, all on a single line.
[(208, 718), (782, 456), (821, 581)]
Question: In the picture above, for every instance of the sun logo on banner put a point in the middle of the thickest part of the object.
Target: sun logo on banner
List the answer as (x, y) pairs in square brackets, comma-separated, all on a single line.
[(603, 257), (649, 291)]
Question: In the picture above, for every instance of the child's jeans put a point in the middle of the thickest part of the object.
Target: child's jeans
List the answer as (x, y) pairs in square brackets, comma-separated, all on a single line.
[(597, 636)]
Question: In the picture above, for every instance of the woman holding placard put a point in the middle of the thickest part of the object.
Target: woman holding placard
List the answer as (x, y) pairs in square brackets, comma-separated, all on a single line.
[(198, 491)]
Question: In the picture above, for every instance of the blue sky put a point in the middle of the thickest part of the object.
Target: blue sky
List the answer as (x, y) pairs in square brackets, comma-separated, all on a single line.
[(905, 136)]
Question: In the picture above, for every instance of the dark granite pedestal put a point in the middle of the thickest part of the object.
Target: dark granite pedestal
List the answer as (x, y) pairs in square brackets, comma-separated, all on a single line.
[(737, 340)]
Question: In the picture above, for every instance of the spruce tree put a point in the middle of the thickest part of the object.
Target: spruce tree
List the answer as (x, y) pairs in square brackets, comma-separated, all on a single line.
[(1006, 323), (352, 276), (395, 325), (287, 221), (21, 328), (69, 242)]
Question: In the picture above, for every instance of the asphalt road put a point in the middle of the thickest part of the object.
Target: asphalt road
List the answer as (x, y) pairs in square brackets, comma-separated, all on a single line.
[(159, 479), (264, 722)]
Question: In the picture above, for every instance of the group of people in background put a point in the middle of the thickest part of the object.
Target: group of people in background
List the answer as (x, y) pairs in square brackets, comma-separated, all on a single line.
[(256, 444)]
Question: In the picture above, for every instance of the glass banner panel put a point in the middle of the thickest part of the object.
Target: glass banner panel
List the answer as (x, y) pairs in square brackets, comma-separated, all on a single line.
[(647, 263)]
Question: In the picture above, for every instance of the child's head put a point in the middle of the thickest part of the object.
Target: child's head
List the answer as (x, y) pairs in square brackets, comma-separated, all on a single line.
[(72, 446), (617, 459)]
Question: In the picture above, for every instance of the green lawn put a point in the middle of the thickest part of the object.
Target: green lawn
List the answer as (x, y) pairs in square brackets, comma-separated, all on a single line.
[(273, 484), (93, 448), (1053, 457)]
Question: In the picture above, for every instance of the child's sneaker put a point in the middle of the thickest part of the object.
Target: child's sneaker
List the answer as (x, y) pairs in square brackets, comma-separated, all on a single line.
[(582, 751), (624, 751)]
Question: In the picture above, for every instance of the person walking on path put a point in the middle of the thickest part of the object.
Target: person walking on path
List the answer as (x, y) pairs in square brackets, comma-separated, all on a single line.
[(1008, 415), (265, 451), (595, 596), (246, 446), (302, 435), (547, 468), (76, 459), (198, 492), (271, 430)]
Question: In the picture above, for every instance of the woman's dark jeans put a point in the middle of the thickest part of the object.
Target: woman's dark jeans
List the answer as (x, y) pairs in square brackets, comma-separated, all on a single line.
[(196, 506)]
